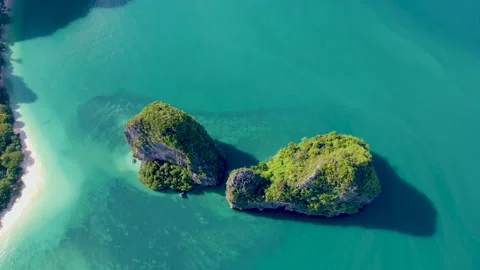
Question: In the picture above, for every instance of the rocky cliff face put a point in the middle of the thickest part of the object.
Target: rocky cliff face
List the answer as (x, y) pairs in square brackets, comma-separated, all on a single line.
[(327, 175), (248, 181), (152, 150), (162, 134)]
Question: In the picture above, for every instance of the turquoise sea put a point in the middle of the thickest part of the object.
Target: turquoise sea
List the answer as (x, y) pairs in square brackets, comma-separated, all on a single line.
[(402, 74)]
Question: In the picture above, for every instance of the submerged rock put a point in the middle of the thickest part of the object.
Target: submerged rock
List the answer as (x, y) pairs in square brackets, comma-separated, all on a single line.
[(326, 175), (175, 150)]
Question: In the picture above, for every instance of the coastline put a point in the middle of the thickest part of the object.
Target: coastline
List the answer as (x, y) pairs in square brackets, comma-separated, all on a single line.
[(29, 181), (29, 185)]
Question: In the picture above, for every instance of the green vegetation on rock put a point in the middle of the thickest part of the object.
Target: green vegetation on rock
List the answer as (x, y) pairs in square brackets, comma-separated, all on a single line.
[(175, 150), (160, 175), (325, 175)]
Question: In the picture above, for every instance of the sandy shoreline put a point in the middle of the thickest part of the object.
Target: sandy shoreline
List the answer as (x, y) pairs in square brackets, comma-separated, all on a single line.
[(30, 187)]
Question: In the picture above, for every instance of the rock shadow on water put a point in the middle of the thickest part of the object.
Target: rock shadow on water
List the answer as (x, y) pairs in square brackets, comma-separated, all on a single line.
[(236, 158), (17, 88), (42, 18), (399, 207)]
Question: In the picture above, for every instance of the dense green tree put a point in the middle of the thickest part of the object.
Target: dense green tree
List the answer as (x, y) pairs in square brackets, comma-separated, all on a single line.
[(161, 175), (6, 133)]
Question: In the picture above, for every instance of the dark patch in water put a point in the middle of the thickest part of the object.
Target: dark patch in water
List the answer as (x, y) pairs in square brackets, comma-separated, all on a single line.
[(18, 89), (235, 157), (42, 18)]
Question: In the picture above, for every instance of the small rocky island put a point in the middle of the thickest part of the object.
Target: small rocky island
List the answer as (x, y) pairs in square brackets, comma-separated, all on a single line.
[(175, 151), (326, 175)]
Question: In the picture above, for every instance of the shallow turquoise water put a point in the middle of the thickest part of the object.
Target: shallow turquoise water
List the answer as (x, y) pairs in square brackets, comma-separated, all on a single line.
[(258, 74)]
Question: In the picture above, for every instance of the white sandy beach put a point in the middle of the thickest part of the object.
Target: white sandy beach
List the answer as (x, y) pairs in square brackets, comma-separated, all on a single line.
[(30, 179)]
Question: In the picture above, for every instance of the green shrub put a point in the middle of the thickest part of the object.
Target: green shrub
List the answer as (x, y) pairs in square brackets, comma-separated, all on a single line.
[(157, 176), (6, 134)]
